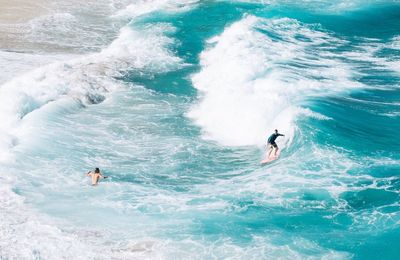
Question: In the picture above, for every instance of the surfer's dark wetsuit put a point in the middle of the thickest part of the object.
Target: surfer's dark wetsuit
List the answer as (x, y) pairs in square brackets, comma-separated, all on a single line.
[(272, 138)]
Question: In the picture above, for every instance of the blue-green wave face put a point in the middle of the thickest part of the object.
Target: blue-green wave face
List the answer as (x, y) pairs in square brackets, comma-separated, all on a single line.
[(176, 109)]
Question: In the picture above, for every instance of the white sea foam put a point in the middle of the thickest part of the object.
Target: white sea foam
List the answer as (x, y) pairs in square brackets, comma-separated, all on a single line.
[(87, 79), (367, 55), (142, 7), (59, 26), (395, 44), (25, 236), (392, 114), (257, 71), (133, 206), (255, 77), (260, 248), (54, 90), (15, 64), (323, 6), (309, 113)]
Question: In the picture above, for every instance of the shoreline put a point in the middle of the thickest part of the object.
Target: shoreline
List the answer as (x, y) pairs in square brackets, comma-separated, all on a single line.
[(21, 11), (14, 18)]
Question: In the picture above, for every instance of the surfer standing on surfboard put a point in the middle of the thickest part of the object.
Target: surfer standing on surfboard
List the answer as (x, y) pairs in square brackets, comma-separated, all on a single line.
[(272, 144)]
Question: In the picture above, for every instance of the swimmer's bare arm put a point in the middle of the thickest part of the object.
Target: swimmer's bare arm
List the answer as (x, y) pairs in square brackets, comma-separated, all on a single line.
[(102, 176)]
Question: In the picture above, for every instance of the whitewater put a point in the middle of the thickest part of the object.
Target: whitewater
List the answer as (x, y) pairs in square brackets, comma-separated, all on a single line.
[(174, 101)]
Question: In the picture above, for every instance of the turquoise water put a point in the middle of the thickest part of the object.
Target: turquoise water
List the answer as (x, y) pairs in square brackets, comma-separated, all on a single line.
[(182, 130)]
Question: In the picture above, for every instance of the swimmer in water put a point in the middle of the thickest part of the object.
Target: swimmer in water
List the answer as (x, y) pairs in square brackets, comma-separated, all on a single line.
[(96, 176)]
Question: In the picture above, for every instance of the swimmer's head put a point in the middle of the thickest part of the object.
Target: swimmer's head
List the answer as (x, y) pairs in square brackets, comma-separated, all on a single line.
[(97, 170)]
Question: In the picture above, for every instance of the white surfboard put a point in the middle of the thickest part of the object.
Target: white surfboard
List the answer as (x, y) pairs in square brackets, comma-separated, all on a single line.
[(271, 158)]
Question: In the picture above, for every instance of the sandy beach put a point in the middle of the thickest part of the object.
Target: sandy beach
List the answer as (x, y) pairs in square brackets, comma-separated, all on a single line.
[(20, 11), (14, 16), (52, 26)]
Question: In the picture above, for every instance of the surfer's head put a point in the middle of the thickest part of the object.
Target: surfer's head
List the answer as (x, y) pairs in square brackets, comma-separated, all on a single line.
[(276, 130), (97, 170)]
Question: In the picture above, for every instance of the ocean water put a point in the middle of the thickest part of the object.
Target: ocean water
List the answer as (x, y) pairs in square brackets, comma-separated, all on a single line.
[(174, 100)]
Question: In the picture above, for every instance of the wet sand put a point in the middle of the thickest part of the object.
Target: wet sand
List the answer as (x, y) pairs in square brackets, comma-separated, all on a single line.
[(14, 16), (20, 11)]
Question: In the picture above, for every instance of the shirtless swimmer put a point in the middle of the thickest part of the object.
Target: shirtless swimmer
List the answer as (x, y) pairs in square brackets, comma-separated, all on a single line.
[(96, 176)]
